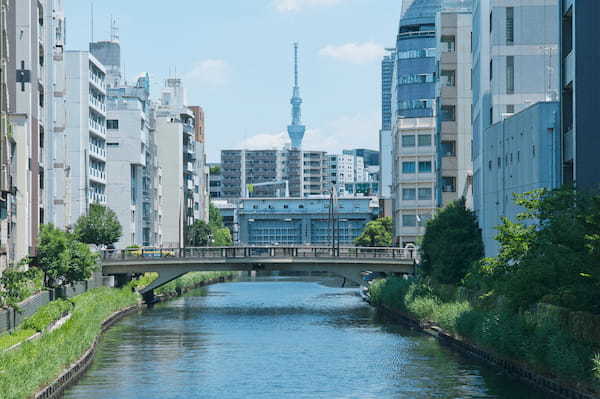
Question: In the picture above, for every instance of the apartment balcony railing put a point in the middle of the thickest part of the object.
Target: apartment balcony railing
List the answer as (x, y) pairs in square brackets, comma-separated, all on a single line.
[(96, 198), (97, 128), (97, 151), (97, 81), (98, 105), (98, 174), (188, 128)]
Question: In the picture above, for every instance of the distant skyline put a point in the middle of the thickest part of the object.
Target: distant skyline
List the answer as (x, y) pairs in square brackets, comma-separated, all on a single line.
[(235, 59)]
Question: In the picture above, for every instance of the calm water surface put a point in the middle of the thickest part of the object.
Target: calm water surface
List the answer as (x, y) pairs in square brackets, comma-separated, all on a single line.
[(279, 339)]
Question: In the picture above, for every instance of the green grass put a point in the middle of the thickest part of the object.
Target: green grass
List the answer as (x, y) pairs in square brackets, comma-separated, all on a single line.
[(36, 363), (9, 340), (47, 315), (190, 280), (539, 341)]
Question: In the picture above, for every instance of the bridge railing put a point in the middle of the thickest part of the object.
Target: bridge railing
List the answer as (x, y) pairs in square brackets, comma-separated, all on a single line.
[(260, 252)]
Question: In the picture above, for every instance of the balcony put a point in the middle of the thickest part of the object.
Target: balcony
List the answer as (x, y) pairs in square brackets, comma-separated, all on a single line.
[(98, 175), (97, 198), (569, 68), (97, 105), (98, 129), (98, 152), (188, 167), (97, 81), (188, 128)]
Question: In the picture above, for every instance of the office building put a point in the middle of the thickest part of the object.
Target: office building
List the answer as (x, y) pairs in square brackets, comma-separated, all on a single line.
[(414, 176), (5, 133), (302, 221), (454, 132), (521, 154), (515, 65), (580, 83), (215, 181)]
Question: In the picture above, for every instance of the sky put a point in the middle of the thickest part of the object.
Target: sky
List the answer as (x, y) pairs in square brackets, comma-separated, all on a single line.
[(236, 61)]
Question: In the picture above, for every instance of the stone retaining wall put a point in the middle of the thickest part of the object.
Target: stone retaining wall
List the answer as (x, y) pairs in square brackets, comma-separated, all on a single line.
[(546, 384)]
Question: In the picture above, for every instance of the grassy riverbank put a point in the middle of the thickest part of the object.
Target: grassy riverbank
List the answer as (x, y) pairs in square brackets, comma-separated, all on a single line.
[(36, 363), (535, 338), (185, 282)]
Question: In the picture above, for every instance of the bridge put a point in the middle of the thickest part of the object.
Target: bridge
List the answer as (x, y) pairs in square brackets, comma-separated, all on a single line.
[(171, 263)]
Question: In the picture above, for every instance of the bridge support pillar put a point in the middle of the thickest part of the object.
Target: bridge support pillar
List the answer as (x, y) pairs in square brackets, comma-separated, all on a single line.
[(148, 297), (122, 280)]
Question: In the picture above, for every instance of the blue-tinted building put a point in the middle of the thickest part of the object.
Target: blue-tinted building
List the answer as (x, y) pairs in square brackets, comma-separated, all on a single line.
[(415, 67), (300, 221)]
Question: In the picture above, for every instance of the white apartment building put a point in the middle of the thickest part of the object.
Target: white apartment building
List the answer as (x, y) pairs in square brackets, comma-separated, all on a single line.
[(414, 177), (27, 94), (86, 131), (177, 157)]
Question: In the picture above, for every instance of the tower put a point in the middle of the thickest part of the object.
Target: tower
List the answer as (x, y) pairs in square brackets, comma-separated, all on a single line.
[(296, 129)]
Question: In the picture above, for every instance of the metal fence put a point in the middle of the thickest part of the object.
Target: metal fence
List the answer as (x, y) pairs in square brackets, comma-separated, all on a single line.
[(10, 318), (261, 252)]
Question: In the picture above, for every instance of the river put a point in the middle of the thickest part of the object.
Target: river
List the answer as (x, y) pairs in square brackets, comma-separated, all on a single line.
[(276, 338)]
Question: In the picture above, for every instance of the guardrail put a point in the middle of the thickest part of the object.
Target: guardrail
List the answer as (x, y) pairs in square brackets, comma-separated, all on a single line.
[(260, 252)]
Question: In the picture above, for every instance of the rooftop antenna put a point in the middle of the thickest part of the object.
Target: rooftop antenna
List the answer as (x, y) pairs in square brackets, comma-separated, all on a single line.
[(92, 22), (114, 29)]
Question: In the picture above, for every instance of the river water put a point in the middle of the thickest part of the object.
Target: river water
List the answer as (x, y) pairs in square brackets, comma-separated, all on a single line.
[(277, 338)]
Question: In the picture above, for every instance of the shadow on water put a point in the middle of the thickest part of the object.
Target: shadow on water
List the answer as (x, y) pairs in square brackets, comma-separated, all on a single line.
[(279, 339)]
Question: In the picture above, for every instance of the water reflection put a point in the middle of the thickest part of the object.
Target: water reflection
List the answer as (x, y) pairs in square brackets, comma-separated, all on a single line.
[(279, 339)]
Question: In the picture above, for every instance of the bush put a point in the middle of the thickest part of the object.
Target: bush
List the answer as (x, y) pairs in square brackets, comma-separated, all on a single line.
[(47, 315)]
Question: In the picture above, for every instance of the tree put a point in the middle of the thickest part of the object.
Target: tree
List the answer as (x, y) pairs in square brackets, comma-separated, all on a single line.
[(215, 220), (451, 244), (198, 234), (16, 284), (62, 258), (100, 226), (222, 237), (377, 233), (551, 253)]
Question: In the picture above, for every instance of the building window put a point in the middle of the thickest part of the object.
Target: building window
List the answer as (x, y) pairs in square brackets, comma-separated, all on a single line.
[(425, 167), (510, 108), (409, 167), (424, 140), (409, 220), (409, 194), (510, 26), (448, 43), (510, 74), (449, 184), (449, 77), (425, 194), (408, 141), (449, 148), (112, 124), (448, 113), (491, 69), (490, 165)]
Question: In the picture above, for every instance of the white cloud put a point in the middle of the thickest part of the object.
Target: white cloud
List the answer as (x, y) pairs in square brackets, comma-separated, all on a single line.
[(356, 53), (210, 73), (299, 5), (345, 132)]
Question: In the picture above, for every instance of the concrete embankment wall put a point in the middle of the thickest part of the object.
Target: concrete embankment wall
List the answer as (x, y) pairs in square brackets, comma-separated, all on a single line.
[(55, 389), (549, 385), (10, 318)]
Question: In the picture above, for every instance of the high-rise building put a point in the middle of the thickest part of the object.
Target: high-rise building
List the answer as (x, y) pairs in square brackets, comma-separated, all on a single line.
[(26, 105), (86, 131), (5, 132), (296, 129), (454, 133), (579, 96), (56, 142), (515, 65), (385, 133), (413, 121), (178, 157)]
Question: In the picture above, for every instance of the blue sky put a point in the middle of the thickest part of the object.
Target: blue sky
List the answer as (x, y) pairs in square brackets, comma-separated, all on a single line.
[(235, 57)]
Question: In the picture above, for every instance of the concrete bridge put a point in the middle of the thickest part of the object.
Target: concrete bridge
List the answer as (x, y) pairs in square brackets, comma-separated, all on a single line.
[(171, 263)]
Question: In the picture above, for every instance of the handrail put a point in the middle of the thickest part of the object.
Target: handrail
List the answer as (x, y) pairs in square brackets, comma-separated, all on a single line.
[(242, 252)]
